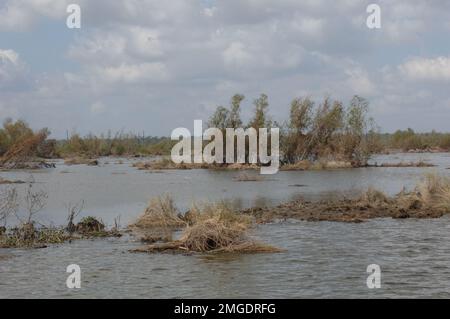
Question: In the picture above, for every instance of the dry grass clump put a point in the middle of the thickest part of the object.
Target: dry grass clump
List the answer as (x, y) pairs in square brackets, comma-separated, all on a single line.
[(432, 193), (160, 213), (213, 228), (298, 166), (213, 233), (374, 197), (337, 164), (435, 191), (158, 221)]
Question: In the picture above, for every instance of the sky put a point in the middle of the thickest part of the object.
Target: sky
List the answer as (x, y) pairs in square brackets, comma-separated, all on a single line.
[(153, 66)]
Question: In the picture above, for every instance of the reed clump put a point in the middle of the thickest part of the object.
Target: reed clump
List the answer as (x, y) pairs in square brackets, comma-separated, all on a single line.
[(213, 233), (213, 228), (433, 193), (374, 198), (161, 212)]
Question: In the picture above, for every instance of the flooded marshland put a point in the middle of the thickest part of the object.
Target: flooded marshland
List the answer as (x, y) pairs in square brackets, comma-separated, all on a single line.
[(321, 259)]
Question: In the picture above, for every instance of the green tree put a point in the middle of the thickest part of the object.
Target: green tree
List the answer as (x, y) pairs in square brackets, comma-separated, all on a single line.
[(220, 118), (260, 117), (300, 115), (235, 113)]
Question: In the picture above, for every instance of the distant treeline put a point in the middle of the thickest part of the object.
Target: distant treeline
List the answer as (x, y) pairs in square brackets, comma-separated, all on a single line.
[(408, 140), (17, 139), (119, 144), (325, 130)]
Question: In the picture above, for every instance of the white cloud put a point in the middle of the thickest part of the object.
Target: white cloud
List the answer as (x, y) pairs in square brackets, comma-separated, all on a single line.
[(311, 27), (22, 14), (13, 17), (434, 69), (134, 73), (236, 55), (12, 71), (9, 57), (7, 112), (117, 45), (360, 83), (98, 108), (142, 57)]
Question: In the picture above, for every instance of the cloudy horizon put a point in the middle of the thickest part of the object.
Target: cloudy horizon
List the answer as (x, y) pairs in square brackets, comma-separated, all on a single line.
[(152, 66)]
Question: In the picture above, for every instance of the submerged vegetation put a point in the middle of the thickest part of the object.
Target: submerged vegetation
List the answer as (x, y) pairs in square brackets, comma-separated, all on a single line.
[(28, 233)]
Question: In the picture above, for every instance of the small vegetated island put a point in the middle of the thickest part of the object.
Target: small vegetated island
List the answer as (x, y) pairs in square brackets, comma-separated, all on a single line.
[(324, 135)]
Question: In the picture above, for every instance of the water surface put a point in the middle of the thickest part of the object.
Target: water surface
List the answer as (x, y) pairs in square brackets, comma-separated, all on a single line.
[(322, 259)]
